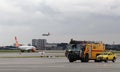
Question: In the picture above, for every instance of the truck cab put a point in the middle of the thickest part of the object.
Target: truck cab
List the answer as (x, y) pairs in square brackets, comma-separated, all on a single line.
[(74, 52)]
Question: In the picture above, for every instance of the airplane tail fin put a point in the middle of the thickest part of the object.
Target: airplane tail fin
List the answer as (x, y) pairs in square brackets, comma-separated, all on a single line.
[(16, 42)]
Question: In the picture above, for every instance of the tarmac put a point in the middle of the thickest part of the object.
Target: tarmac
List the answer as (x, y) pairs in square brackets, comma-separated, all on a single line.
[(54, 64)]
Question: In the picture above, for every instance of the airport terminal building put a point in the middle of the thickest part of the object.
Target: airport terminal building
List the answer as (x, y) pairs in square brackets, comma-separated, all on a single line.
[(42, 44)]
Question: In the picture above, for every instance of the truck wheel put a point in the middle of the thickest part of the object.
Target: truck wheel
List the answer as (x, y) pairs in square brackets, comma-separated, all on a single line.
[(82, 60), (96, 60), (87, 58), (106, 60), (70, 60), (114, 59)]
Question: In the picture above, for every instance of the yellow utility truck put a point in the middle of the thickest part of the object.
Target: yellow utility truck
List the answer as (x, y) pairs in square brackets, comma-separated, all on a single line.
[(84, 50)]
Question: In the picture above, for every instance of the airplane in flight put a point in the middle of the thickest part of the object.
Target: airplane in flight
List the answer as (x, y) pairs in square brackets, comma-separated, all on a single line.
[(46, 34), (24, 48)]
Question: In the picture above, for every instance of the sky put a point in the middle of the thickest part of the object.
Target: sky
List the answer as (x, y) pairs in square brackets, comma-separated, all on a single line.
[(93, 20)]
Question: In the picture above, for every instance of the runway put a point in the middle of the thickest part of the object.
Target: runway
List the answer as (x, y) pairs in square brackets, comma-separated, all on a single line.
[(55, 65)]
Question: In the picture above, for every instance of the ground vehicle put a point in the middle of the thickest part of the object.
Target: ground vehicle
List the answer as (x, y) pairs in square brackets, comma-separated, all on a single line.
[(84, 51), (107, 56)]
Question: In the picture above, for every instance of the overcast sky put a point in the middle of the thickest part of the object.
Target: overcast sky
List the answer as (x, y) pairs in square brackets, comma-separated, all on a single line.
[(96, 20)]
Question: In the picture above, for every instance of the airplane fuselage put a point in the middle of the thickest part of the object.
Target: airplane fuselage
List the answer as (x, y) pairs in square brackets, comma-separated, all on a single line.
[(26, 47)]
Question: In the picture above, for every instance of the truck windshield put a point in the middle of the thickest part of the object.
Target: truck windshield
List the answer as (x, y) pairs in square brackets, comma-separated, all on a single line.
[(75, 47)]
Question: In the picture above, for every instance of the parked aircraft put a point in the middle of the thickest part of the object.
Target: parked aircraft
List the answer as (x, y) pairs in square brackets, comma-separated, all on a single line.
[(24, 48)]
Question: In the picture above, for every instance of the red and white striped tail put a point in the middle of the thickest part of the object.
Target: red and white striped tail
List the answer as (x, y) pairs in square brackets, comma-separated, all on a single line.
[(17, 44)]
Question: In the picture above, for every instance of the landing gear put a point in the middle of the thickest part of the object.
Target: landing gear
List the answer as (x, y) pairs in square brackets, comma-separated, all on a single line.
[(22, 50), (29, 51)]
